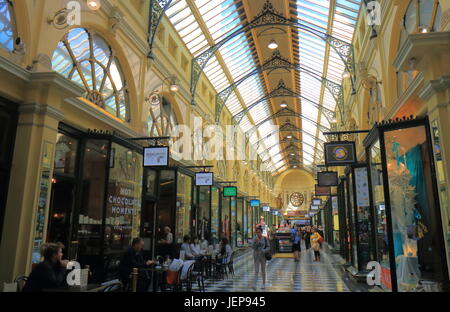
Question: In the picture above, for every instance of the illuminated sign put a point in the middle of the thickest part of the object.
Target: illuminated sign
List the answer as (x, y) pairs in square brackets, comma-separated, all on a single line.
[(156, 156), (340, 153), (230, 191), (204, 179)]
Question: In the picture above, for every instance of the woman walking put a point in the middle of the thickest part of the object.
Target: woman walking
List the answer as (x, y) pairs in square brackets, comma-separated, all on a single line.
[(315, 244), (261, 247)]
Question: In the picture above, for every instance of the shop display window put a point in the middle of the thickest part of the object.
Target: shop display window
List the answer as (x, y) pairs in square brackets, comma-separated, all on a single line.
[(204, 213), (440, 175), (215, 192), (165, 209), (184, 202), (239, 218), (351, 221), (225, 217), (233, 220), (406, 205), (124, 197)]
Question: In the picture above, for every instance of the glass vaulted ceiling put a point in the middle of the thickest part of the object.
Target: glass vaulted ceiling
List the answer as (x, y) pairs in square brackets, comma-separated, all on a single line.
[(202, 23), (314, 54)]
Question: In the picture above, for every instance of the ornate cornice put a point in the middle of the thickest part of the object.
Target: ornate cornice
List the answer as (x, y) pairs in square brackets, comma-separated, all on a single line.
[(434, 86)]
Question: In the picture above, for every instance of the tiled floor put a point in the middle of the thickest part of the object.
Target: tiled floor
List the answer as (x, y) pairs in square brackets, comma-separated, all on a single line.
[(285, 275)]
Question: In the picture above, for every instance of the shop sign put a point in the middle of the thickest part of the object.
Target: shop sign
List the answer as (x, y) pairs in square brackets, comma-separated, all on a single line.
[(323, 190), (230, 191), (327, 178), (254, 203), (362, 187), (204, 179), (317, 202), (266, 208), (340, 153), (156, 156)]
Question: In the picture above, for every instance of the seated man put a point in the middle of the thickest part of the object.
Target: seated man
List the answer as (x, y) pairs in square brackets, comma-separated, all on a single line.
[(133, 258), (50, 273)]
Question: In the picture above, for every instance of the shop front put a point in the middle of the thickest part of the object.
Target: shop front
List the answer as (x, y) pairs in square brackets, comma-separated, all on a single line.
[(8, 125), (343, 224), (405, 201), (95, 200)]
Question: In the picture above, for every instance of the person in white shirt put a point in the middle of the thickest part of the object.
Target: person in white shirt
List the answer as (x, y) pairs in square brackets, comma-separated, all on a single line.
[(186, 247), (196, 249)]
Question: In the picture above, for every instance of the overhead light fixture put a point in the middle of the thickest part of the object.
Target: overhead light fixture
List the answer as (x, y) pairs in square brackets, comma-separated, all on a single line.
[(272, 45), (346, 75), (423, 29), (94, 4), (174, 88), (283, 105)]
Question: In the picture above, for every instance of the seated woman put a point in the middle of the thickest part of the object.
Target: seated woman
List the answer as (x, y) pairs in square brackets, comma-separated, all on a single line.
[(51, 272), (196, 249), (186, 247), (224, 251)]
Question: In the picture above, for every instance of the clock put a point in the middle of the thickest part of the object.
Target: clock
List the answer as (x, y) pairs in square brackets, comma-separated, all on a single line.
[(297, 199)]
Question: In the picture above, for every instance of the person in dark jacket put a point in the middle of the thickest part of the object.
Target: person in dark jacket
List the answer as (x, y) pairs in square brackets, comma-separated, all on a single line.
[(133, 258), (307, 238), (50, 273)]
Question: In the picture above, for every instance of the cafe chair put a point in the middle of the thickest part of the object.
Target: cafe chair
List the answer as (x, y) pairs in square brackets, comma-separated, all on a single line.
[(230, 264), (113, 286), (173, 280), (186, 275), (21, 281), (199, 273)]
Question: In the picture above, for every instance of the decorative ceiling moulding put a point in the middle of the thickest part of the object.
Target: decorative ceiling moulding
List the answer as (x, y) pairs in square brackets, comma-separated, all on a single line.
[(269, 17), (123, 25), (41, 109)]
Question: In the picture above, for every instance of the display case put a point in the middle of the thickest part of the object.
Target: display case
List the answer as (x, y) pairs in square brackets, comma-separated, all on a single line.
[(361, 234), (406, 208)]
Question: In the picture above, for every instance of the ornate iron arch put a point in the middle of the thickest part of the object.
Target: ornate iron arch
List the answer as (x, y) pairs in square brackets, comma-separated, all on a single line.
[(156, 13), (286, 112), (270, 17), (288, 127), (278, 62)]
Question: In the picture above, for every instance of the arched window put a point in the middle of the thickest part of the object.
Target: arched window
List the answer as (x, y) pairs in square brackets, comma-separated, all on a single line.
[(162, 119), (85, 58), (7, 29)]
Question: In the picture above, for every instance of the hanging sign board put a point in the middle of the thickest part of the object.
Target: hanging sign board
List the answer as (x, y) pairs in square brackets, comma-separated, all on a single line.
[(327, 178), (362, 187), (266, 208), (316, 202), (230, 191), (340, 153), (157, 156), (254, 203), (314, 207), (323, 190), (204, 179)]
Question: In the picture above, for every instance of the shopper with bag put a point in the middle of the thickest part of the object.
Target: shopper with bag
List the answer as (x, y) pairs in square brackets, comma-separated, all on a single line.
[(261, 254), (315, 244)]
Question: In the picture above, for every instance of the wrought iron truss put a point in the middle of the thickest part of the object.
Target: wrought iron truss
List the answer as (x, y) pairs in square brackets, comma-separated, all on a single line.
[(270, 17), (266, 152), (157, 10), (289, 127), (291, 149), (279, 62), (286, 112)]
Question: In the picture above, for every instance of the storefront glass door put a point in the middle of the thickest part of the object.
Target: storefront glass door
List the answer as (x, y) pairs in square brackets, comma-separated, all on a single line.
[(214, 216)]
